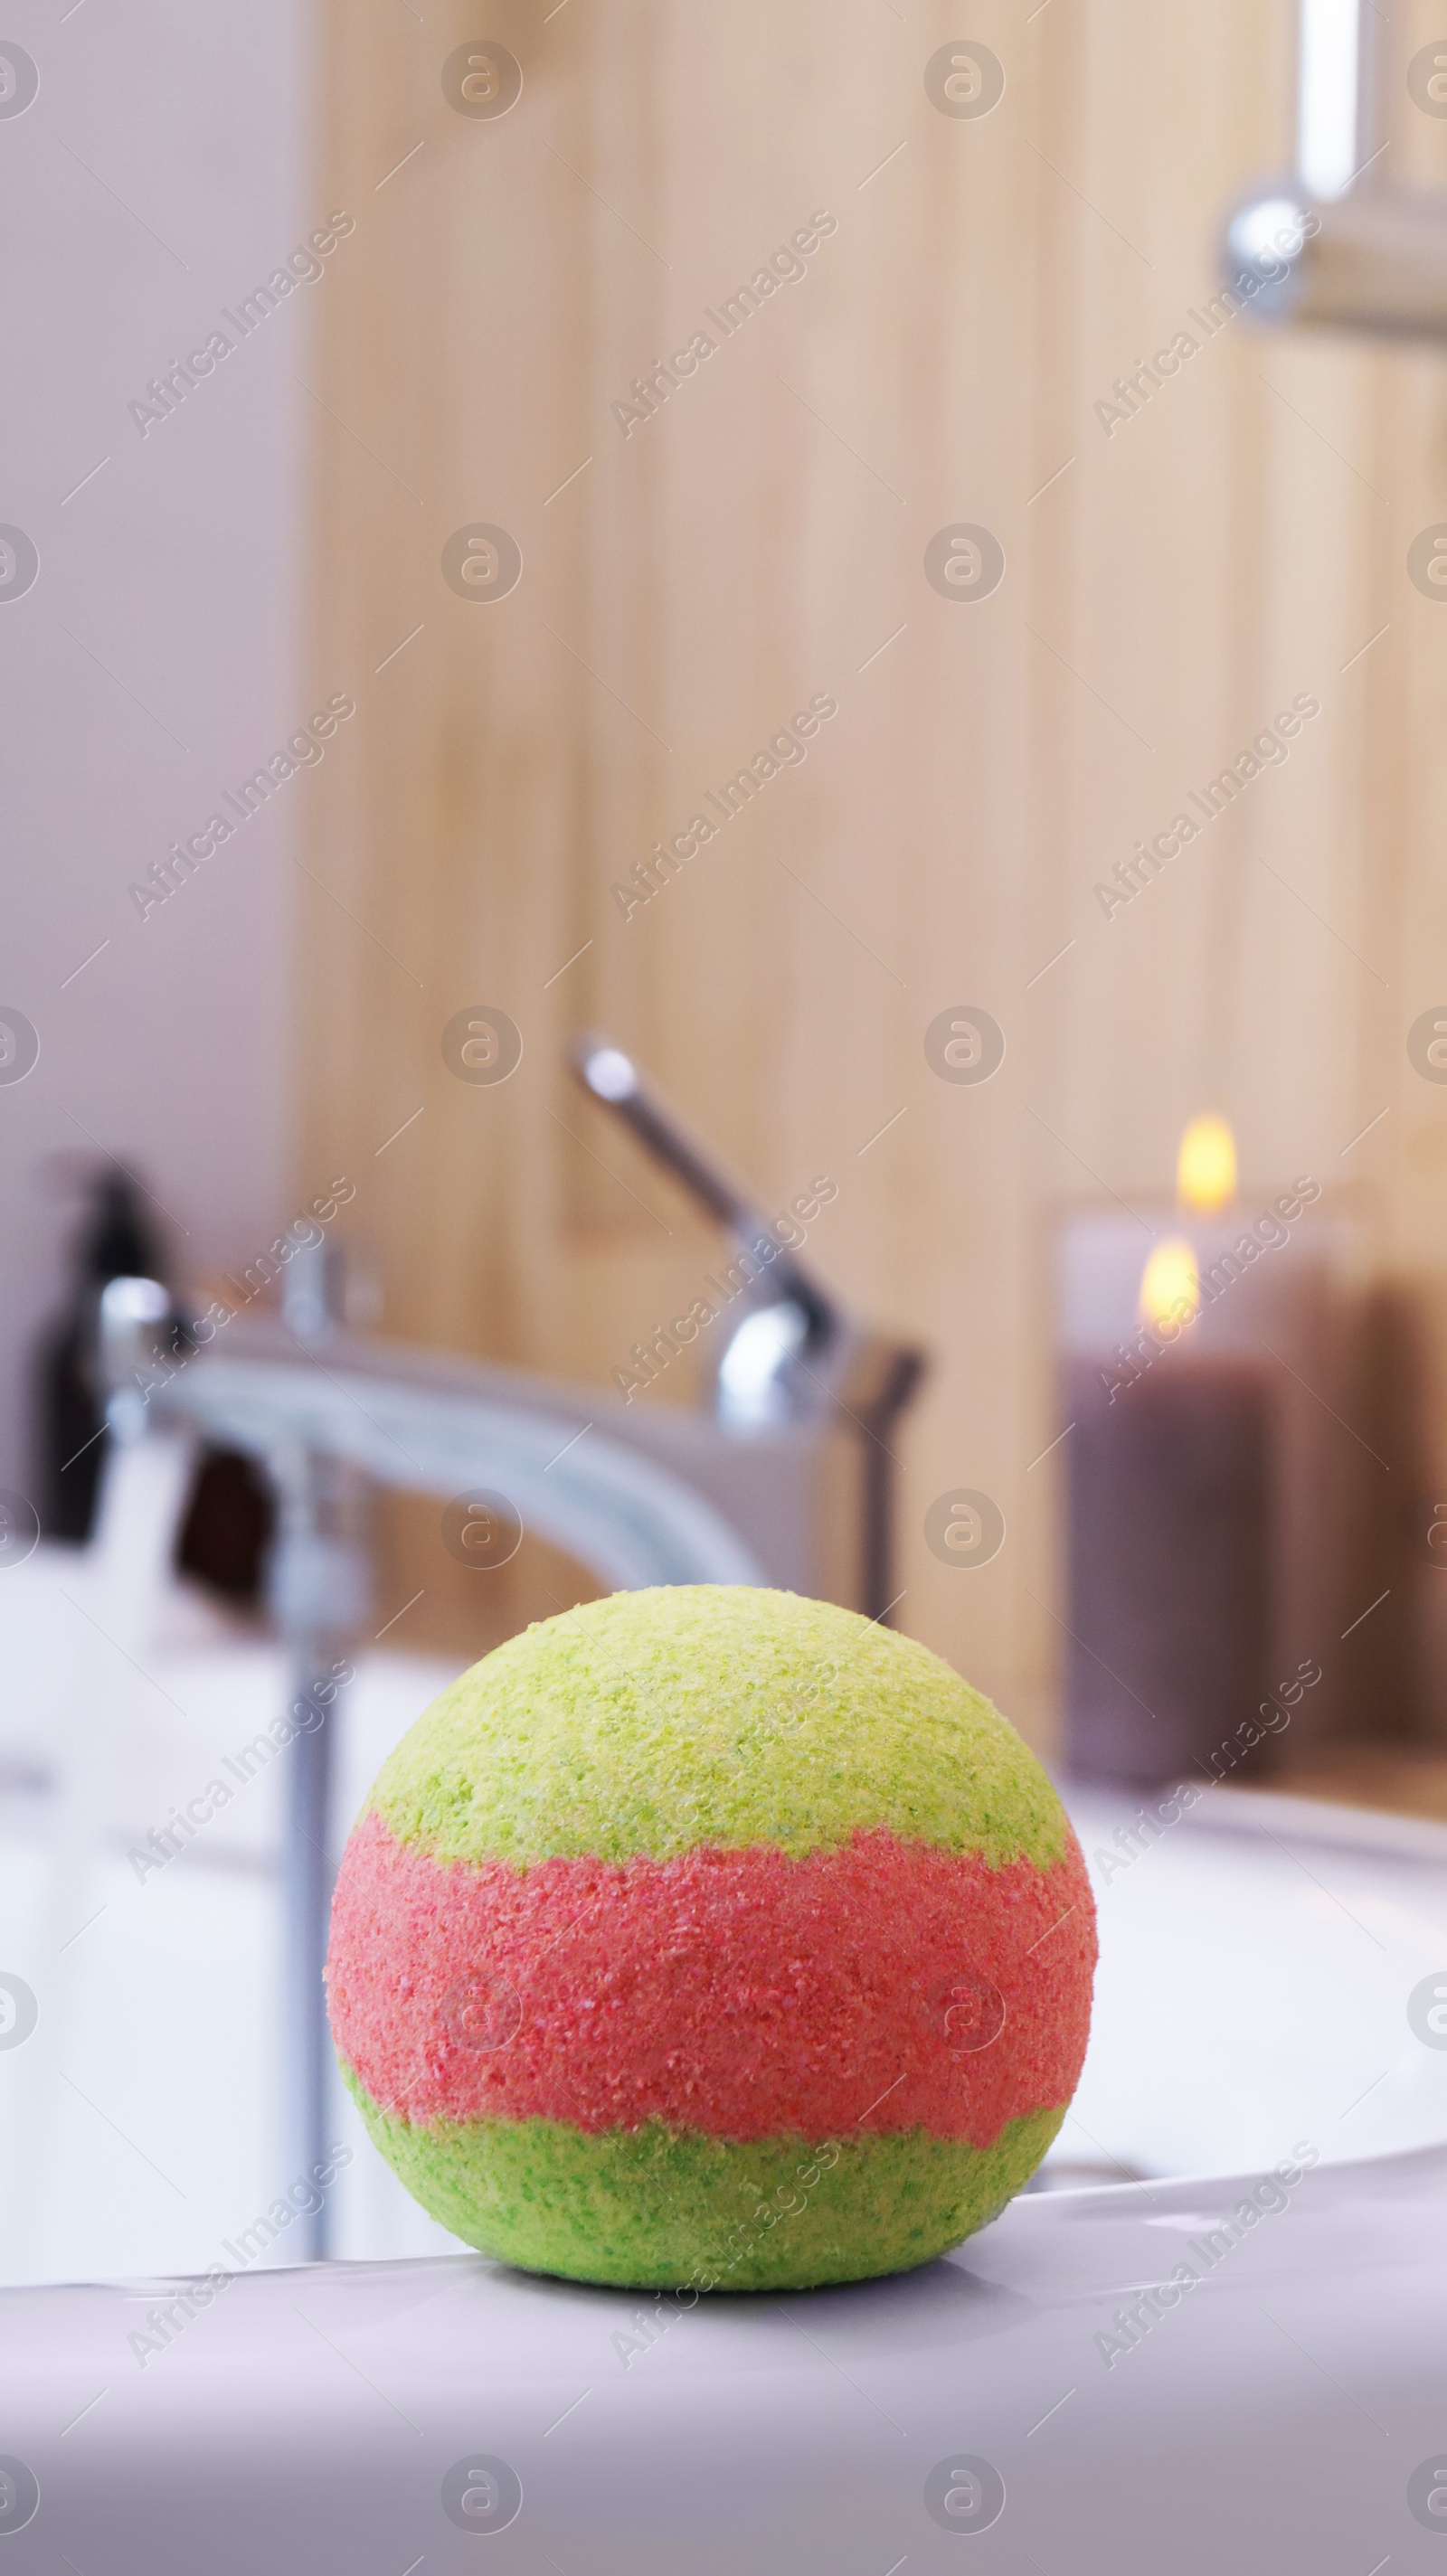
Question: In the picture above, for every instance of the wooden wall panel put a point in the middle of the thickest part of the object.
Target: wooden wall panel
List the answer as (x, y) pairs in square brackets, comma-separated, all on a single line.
[(760, 540)]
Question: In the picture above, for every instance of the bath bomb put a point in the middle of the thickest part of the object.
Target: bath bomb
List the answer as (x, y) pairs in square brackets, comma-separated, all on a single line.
[(712, 1938)]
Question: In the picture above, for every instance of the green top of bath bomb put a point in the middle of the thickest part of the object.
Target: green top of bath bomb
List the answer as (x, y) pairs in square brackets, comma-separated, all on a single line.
[(712, 1713)]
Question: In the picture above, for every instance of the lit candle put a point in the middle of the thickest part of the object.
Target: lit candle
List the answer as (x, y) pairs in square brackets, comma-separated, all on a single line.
[(1185, 1365)]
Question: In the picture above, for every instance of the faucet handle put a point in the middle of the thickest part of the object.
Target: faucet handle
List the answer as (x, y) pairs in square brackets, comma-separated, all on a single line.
[(613, 1078), (793, 1354)]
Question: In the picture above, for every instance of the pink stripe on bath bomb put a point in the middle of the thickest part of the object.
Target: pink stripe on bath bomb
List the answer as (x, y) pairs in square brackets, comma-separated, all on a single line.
[(885, 1984)]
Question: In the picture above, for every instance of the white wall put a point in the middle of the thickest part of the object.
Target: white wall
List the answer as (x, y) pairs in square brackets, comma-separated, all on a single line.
[(156, 177)]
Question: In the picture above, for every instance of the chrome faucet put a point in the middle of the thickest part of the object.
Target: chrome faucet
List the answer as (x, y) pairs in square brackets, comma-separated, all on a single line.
[(1336, 242)]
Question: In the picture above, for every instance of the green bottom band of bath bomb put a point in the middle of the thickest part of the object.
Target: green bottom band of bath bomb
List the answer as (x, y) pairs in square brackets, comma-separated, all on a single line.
[(658, 2208)]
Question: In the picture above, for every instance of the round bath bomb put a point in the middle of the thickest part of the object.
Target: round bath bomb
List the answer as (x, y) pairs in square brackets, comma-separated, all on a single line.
[(712, 1938)]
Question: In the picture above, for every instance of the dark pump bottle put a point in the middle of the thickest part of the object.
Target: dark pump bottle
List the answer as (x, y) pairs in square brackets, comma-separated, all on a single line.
[(228, 1522), (117, 1240)]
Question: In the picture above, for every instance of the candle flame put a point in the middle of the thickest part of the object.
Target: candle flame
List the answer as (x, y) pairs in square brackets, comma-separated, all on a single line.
[(1171, 1286), (1206, 1166)]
